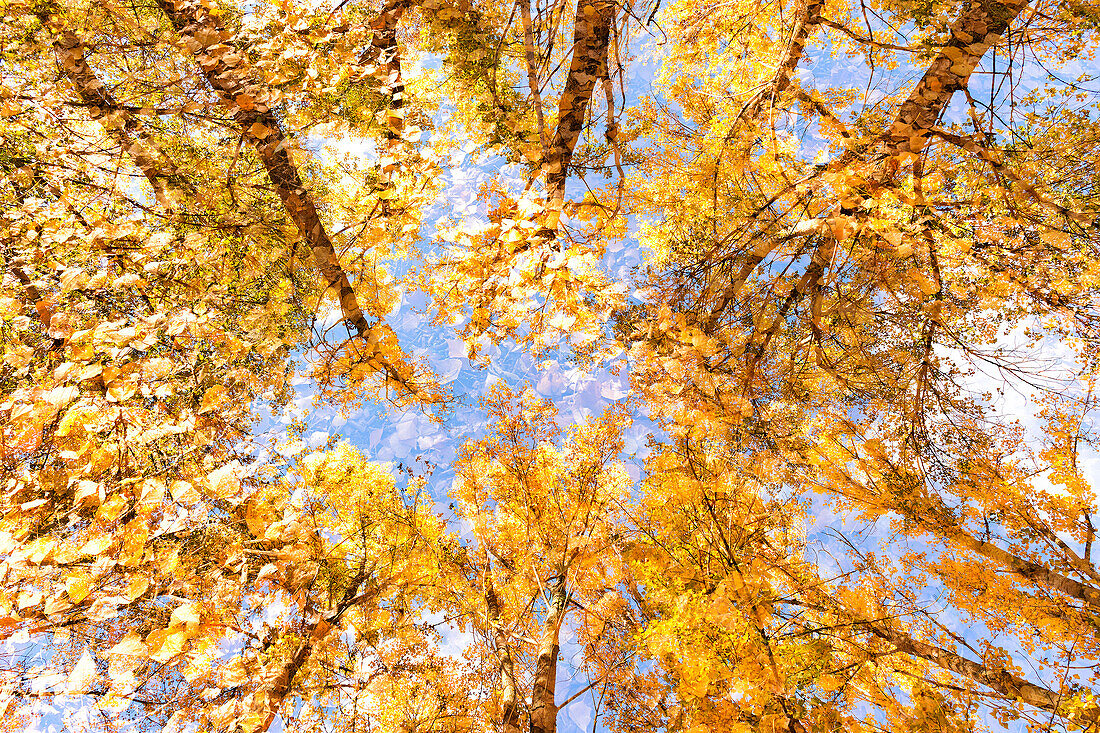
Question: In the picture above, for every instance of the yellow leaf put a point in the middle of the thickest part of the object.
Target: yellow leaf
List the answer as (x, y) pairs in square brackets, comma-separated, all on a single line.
[(169, 561), (112, 508), (234, 673), (186, 615), (138, 585), (83, 676), (212, 398), (165, 644), (1055, 237), (256, 519), (152, 494), (133, 542), (57, 604), (131, 645), (96, 545), (225, 481), (86, 490), (114, 703), (78, 587), (121, 391), (184, 492), (73, 417)]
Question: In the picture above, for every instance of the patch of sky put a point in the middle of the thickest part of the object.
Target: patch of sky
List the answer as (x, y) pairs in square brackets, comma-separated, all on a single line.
[(410, 437), (1012, 376), (1008, 379)]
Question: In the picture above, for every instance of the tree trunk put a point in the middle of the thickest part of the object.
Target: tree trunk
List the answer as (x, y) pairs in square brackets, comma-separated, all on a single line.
[(267, 703), (121, 126), (980, 26), (929, 513), (383, 56), (544, 709), (1005, 683), (591, 35), (509, 700), (227, 73), (1030, 571)]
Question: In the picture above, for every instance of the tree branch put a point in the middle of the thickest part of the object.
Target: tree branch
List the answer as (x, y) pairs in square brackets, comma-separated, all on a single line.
[(591, 36)]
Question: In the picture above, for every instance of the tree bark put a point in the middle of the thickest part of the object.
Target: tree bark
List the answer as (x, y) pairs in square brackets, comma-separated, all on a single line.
[(509, 699), (383, 55), (544, 709), (808, 19), (268, 702), (1004, 682), (591, 35), (1026, 569), (225, 69), (981, 25), (121, 126), (532, 71)]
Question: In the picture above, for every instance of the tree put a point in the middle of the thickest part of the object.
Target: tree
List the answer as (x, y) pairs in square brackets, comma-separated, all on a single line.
[(136, 530), (784, 288), (848, 278), (545, 515), (827, 265)]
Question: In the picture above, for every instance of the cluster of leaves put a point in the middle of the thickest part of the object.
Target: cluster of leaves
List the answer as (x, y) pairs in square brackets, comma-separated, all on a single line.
[(823, 272)]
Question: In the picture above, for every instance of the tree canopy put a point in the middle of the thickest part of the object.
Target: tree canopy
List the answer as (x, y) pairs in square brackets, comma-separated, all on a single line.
[(835, 264)]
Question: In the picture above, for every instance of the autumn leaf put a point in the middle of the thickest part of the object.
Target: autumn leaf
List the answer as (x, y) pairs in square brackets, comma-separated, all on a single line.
[(83, 675)]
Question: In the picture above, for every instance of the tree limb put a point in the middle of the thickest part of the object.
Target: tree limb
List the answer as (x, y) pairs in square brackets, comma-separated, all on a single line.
[(591, 37), (250, 102)]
